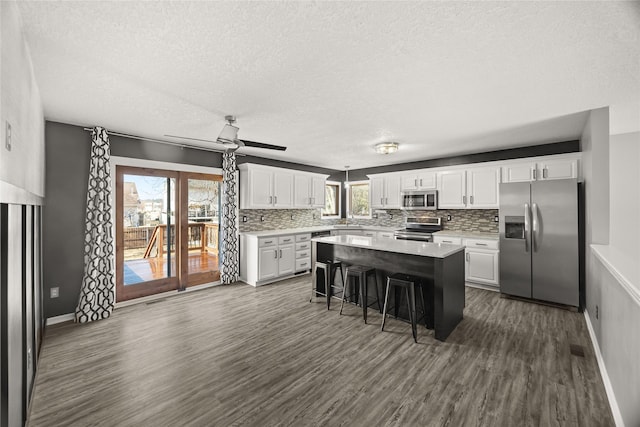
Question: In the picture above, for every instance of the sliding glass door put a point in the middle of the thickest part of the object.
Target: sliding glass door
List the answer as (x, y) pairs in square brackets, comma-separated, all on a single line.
[(166, 230)]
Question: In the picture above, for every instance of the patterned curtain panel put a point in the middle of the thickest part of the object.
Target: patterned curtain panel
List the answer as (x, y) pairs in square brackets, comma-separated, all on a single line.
[(97, 296), (229, 266)]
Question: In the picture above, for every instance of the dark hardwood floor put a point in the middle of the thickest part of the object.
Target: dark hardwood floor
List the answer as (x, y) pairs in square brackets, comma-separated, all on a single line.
[(238, 355)]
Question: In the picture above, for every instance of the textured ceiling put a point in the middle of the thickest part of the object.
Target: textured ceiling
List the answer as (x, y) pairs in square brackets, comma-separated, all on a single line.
[(331, 79)]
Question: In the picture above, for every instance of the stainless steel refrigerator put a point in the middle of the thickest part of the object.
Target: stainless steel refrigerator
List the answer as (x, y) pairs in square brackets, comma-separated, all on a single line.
[(539, 241)]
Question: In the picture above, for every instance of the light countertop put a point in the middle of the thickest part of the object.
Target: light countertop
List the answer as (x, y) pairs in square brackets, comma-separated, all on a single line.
[(302, 230), (410, 247), (468, 234)]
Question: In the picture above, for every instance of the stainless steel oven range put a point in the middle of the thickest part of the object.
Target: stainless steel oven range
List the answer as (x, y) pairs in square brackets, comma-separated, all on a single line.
[(419, 228)]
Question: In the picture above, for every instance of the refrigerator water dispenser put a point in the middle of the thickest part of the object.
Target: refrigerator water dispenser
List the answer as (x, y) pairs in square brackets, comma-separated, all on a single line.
[(514, 227)]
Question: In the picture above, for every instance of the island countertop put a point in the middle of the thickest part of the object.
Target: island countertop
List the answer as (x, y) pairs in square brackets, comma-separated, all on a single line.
[(410, 247)]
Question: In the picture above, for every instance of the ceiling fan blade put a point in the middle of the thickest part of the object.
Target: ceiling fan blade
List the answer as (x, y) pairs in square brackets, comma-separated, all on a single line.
[(262, 145), (192, 139)]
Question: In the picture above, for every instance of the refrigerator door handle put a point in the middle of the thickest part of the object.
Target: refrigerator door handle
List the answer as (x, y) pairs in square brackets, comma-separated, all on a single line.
[(536, 228), (527, 227)]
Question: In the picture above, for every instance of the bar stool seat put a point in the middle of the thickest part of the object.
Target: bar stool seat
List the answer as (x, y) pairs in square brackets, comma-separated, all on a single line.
[(329, 269), (361, 275), (401, 281)]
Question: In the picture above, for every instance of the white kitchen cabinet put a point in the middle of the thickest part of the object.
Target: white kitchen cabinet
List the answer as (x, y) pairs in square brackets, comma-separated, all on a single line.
[(481, 258), (282, 189), (518, 172), (267, 259), (385, 235), (449, 240), (268, 263), (286, 259), (418, 180), (541, 170), (557, 169), (263, 187), (482, 266), (474, 188), (452, 189), (384, 191), (482, 188), (303, 252), (309, 190)]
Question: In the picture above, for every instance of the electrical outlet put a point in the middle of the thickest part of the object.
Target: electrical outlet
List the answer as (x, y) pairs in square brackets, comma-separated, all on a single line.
[(262, 218), (390, 216), (375, 216), (496, 218), (55, 292), (244, 219), (291, 217), (448, 217), (7, 142)]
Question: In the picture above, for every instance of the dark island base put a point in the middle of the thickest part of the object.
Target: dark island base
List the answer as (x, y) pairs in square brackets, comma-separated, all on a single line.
[(443, 279)]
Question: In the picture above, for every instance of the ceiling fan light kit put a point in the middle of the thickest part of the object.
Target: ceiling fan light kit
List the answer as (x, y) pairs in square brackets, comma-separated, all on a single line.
[(386, 147)]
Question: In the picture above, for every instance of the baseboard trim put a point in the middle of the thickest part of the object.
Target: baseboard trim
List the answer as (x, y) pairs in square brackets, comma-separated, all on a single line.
[(61, 319), (613, 403)]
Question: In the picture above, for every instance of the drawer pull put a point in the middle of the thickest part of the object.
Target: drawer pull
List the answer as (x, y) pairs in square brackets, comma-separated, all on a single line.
[(269, 242), (286, 240), (481, 244), (447, 241), (303, 264)]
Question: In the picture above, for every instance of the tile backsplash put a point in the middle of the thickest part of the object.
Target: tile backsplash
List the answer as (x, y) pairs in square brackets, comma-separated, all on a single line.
[(274, 219)]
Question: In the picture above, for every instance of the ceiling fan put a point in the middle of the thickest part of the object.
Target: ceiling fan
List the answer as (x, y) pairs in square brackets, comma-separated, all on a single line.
[(229, 138)]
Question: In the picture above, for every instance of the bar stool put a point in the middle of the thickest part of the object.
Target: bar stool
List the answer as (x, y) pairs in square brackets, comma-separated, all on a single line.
[(329, 270), (361, 275), (408, 283)]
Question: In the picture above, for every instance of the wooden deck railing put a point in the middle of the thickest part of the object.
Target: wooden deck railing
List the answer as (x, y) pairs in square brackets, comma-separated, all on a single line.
[(202, 236)]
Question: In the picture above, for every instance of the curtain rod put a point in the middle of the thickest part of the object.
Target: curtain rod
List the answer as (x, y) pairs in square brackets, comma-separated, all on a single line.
[(160, 141)]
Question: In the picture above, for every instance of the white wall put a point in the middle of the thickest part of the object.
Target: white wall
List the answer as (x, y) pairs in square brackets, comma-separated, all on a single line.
[(625, 193), (595, 171), (20, 105), (612, 199)]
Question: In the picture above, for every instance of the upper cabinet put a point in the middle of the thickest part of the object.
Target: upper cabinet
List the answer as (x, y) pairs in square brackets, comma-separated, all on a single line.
[(540, 171), (452, 190), (385, 191), (418, 180), (482, 188), (265, 187), (309, 190), (473, 188)]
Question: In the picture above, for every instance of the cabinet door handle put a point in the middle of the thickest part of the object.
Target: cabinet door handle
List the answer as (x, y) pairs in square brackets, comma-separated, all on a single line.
[(468, 257), (275, 200), (535, 174), (471, 199), (275, 252), (280, 253), (464, 200), (415, 182), (420, 182), (544, 173), (270, 200)]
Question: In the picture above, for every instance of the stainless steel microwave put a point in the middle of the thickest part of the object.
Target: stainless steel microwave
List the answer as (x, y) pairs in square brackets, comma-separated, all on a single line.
[(419, 200)]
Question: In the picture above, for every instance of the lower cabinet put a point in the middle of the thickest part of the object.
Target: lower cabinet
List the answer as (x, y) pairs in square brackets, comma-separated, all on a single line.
[(481, 266), (481, 259)]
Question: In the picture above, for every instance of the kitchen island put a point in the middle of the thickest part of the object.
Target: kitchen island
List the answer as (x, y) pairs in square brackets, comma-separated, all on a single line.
[(439, 266)]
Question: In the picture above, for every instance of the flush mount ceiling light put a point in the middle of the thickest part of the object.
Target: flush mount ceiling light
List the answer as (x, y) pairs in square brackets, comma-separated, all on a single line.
[(386, 147)]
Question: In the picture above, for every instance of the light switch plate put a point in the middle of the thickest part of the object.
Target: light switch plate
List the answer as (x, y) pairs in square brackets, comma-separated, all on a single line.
[(55, 292), (7, 141)]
